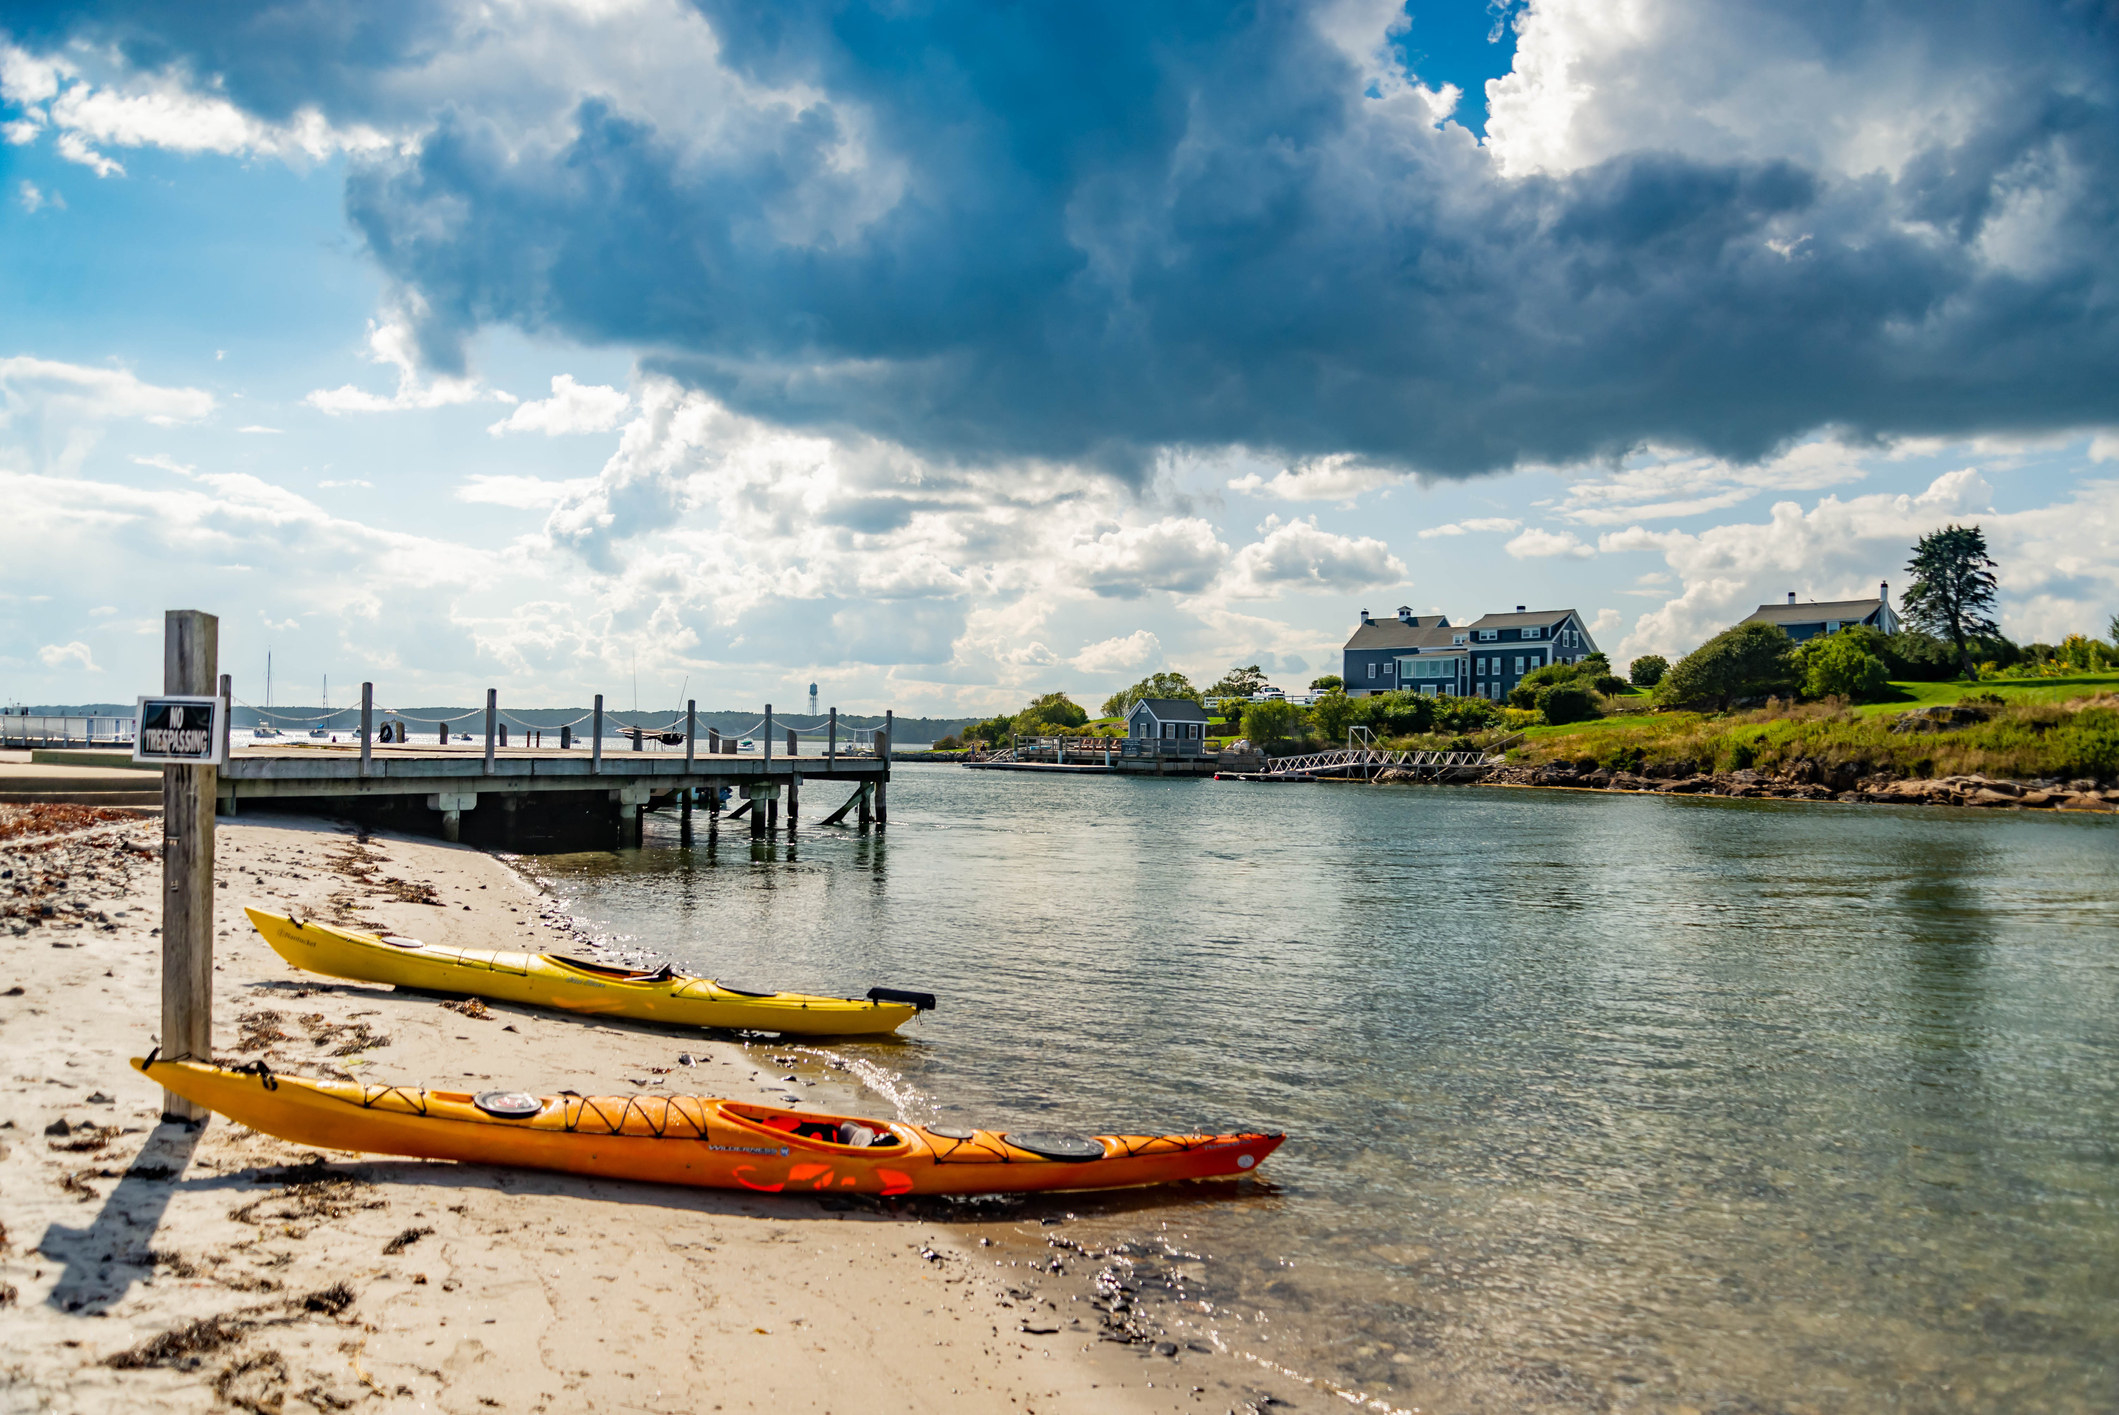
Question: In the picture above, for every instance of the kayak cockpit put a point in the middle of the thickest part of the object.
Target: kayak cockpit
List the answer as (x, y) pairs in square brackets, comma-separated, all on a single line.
[(664, 974), (837, 1130)]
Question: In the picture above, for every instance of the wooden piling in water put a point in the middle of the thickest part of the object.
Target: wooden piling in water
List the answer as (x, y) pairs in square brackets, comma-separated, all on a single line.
[(883, 783), (190, 650)]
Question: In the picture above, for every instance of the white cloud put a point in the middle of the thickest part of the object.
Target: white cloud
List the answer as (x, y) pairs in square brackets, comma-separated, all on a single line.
[(1300, 555), (1134, 652), (258, 428), (346, 481), (75, 654), (391, 342), (573, 407), (50, 388), (1606, 621), (1537, 543), (2057, 574), (1740, 80), (34, 199), (1475, 523), (522, 493), (1657, 484), (1340, 477), (162, 461), (1180, 553), (169, 110)]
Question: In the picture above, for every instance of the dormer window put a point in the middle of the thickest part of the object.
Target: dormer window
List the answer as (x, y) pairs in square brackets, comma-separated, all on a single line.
[(1458, 639), (1487, 636)]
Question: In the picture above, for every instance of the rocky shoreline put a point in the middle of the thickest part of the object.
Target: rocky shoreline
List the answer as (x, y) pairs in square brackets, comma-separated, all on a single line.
[(1807, 781)]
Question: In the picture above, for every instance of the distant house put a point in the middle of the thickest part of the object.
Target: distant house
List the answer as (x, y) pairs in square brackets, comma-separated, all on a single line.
[(1169, 720), (1371, 659), (1484, 659), (1815, 617)]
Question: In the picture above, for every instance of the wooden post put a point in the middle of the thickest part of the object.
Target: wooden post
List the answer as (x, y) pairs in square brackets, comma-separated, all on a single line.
[(691, 733), (883, 782), (492, 720), (772, 816), (596, 739), (684, 814), (444, 734), (757, 822), (765, 743), (228, 718), (867, 805), (190, 654), (566, 737), (831, 743), (713, 741), (794, 802), (367, 724), (793, 746)]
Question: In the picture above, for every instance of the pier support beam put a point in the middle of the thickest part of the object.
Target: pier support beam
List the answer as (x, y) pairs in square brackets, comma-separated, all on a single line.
[(794, 799), (452, 805), (890, 730), (190, 654)]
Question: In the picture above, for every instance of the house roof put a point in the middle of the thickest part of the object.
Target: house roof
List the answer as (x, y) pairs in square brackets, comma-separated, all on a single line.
[(1172, 709), (1431, 631), (1815, 612), (1521, 621)]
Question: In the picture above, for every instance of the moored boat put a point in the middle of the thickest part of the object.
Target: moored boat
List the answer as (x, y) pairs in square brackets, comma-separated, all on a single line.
[(578, 985), (696, 1140)]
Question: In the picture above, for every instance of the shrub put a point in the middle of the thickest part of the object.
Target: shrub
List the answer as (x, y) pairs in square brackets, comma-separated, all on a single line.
[(1331, 714), (1329, 683), (1274, 720), (1524, 696), (1749, 661), (1838, 666), (1611, 685), (948, 744), (1396, 714), (1566, 702), (1461, 716), (1647, 670)]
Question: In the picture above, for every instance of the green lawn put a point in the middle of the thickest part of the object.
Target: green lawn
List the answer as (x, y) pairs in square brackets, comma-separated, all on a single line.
[(2015, 690)]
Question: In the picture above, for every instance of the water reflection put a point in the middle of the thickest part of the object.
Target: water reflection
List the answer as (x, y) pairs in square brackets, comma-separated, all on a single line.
[(1662, 1103)]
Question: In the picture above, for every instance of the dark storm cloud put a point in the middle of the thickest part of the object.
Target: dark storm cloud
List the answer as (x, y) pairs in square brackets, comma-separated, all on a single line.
[(1115, 229)]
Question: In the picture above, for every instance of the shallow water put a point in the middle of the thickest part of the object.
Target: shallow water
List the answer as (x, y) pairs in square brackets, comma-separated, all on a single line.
[(1594, 1101)]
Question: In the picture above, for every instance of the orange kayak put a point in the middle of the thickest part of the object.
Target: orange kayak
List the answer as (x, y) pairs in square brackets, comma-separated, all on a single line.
[(694, 1140)]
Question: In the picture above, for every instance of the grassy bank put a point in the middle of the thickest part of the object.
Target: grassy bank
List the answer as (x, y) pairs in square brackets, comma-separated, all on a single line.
[(2040, 730)]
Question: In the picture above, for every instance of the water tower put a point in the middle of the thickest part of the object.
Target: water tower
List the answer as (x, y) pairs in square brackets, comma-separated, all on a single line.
[(812, 700)]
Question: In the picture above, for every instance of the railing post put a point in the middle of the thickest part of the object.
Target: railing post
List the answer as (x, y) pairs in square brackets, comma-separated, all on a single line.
[(883, 782), (492, 720), (831, 743), (691, 731), (596, 739), (227, 714), (190, 648), (367, 723), (765, 742)]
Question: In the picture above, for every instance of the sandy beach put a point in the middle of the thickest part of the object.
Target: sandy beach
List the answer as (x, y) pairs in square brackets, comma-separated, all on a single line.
[(146, 1263)]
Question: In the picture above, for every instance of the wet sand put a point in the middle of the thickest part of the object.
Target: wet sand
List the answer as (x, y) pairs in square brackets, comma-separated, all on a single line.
[(192, 1270)]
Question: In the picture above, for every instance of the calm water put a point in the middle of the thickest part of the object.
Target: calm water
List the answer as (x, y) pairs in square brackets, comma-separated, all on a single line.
[(1622, 1102)]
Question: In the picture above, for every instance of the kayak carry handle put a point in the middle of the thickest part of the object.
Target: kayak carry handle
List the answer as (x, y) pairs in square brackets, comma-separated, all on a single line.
[(921, 1001)]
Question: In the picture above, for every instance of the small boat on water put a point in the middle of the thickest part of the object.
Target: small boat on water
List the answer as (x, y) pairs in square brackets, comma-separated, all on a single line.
[(697, 1140), (579, 986)]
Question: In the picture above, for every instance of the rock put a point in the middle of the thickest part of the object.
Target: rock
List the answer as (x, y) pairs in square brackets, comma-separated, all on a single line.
[(59, 1127)]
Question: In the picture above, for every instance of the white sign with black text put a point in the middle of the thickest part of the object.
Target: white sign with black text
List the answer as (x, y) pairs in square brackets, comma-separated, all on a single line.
[(184, 731)]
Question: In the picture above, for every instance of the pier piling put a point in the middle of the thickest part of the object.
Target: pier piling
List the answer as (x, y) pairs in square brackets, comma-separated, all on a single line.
[(492, 721), (596, 738)]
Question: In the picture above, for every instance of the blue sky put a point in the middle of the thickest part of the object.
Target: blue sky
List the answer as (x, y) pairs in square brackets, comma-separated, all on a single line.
[(943, 355)]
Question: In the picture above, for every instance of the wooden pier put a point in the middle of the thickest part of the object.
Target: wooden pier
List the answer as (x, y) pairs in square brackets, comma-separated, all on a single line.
[(550, 798)]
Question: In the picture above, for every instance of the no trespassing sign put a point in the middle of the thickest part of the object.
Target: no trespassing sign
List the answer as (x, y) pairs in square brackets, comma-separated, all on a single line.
[(180, 730)]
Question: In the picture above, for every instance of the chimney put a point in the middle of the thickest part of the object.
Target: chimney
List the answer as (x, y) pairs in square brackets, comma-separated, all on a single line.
[(1883, 590), (1405, 614), (1791, 596), (1521, 610), (1364, 616)]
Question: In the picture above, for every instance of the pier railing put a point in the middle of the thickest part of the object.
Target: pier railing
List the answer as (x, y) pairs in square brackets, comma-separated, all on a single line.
[(36, 730), (1371, 761)]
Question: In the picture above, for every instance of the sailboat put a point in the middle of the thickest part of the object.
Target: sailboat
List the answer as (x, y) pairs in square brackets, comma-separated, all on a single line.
[(264, 729), (324, 732)]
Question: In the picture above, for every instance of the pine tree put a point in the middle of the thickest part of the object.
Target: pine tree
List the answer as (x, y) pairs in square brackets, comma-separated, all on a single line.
[(1952, 594)]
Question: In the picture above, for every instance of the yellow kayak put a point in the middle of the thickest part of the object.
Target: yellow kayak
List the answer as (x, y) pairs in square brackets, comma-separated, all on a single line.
[(576, 985), (698, 1140)]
